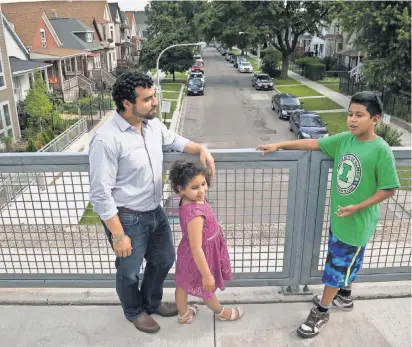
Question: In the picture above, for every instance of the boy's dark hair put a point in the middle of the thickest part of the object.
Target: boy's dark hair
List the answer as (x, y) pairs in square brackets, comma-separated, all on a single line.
[(370, 100), (125, 87), (182, 172)]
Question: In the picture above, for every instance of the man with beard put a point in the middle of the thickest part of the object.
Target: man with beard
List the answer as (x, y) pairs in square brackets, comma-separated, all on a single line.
[(126, 158)]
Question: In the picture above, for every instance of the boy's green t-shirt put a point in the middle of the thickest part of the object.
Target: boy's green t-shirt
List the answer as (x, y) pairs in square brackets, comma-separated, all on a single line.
[(360, 169)]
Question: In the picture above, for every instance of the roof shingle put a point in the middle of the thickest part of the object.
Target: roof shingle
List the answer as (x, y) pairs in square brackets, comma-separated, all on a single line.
[(26, 15)]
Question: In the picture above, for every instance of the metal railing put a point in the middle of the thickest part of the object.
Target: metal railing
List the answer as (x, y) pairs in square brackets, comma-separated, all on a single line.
[(273, 210), (65, 139)]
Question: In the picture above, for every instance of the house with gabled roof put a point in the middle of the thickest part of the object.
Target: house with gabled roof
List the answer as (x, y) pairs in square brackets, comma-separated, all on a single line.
[(26, 17)]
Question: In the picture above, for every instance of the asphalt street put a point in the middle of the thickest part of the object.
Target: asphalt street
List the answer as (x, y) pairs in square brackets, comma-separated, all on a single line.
[(231, 114)]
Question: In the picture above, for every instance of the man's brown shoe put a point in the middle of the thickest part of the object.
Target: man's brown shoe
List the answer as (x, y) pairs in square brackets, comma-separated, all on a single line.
[(146, 324), (166, 310)]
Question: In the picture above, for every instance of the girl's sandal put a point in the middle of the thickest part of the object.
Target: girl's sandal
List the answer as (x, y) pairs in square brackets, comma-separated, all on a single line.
[(187, 318), (233, 315)]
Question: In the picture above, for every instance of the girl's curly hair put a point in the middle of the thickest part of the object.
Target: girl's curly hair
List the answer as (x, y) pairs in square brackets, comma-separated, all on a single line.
[(182, 172)]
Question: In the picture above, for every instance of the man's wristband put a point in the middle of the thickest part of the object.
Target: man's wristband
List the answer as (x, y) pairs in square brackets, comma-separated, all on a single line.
[(119, 238)]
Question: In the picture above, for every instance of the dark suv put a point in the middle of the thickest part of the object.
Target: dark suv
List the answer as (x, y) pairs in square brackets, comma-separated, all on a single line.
[(286, 104)]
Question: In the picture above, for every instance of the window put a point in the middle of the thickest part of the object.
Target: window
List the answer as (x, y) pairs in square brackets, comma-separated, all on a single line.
[(340, 46), (6, 128), (2, 81), (104, 33), (102, 58), (43, 38), (89, 37), (111, 34), (97, 64), (321, 49)]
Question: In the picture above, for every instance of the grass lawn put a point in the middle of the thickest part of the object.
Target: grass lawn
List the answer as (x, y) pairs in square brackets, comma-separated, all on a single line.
[(299, 91), (171, 87), (236, 51), (89, 217), (280, 82), (332, 80), (320, 104), (170, 81), (253, 62), (336, 121), (178, 75), (170, 95)]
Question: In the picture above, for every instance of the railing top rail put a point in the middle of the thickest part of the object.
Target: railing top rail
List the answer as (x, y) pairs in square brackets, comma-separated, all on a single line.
[(220, 155), (51, 143)]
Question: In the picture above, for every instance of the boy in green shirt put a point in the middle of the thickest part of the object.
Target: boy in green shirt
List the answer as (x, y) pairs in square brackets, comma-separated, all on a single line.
[(364, 175)]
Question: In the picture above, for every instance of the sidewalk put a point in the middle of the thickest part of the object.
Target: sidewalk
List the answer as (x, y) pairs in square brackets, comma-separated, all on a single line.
[(377, 323), (79, 317), (343, 100)]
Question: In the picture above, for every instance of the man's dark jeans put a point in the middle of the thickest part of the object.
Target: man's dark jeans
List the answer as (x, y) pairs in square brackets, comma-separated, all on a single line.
[(151, 238)]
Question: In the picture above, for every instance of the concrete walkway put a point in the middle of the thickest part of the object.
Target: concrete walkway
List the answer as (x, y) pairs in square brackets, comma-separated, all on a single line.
[(343, 100), (377, 323), (80, 317)]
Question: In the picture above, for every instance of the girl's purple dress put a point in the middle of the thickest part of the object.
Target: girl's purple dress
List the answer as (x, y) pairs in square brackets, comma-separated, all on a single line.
[(214, 246)]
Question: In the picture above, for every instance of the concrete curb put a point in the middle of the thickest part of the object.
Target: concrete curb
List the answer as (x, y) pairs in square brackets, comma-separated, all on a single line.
[(238, 295)]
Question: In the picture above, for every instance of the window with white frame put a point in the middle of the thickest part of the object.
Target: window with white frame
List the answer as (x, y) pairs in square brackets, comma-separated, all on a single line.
[(2, 80), (43, 38), (6, 127), (97, 63), (89, 37)]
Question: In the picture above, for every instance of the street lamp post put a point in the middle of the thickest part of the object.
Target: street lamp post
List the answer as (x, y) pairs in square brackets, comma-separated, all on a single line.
[(159, 92)]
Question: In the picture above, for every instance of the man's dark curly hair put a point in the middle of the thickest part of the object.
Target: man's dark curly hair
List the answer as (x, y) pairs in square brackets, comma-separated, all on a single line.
[(370, 100), (182, 172), (125, 87)]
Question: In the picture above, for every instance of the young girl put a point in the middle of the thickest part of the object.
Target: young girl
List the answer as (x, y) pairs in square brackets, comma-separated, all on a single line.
[(203, 262)]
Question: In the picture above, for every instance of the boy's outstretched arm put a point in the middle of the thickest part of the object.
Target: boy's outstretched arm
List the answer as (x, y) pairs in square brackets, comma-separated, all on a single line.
[(378, 197), (309, 145)]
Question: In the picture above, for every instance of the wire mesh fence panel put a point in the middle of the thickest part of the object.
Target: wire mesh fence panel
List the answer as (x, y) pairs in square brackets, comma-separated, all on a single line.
[(48, 229), (251, 207)]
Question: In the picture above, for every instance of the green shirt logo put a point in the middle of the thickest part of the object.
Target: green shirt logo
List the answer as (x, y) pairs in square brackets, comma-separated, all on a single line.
[(349, 174)]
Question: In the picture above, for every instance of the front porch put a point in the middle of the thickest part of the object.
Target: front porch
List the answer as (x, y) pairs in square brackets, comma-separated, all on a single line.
[(23, 76), (66, 72)]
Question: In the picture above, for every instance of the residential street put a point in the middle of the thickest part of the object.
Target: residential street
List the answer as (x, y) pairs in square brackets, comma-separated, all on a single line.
[(231, 114)]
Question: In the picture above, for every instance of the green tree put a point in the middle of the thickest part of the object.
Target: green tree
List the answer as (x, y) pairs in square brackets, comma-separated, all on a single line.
[(37, 103), (391, 135), (31, 146), (171, 22), (383, 30), (279, 23)]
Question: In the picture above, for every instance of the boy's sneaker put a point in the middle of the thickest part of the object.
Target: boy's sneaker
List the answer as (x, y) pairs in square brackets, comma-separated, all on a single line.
[(315, 321), (344, 303)]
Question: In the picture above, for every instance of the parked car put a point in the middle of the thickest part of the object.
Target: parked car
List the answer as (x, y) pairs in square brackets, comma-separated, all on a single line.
[(197, 56), (245, 66), (195, 86), (238, 59), (285, 104), (262, 81), (198, 74), (198, 66), (307, 125), (232, 58)]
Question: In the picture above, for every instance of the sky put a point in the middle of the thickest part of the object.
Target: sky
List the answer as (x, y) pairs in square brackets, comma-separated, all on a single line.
[(131, 5)]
